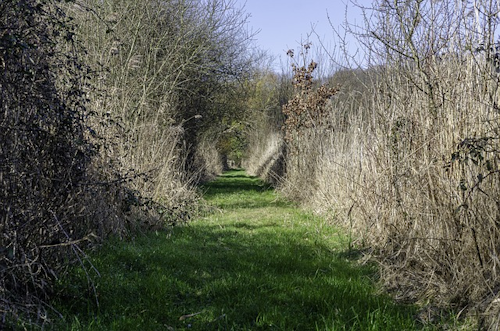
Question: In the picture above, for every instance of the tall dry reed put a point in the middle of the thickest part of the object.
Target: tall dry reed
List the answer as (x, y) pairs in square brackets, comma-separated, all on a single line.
[(408, 158)]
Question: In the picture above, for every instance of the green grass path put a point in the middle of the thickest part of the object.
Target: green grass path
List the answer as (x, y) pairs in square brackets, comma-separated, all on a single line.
[(255, 263)]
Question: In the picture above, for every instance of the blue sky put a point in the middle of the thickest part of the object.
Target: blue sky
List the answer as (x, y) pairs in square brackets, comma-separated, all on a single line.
[(283, 23)]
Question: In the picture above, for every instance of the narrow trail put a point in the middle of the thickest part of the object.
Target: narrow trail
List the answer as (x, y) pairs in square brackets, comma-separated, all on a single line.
[(256, 262)]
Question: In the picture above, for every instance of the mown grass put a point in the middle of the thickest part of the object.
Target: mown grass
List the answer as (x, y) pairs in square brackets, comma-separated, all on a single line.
[(256, 263)]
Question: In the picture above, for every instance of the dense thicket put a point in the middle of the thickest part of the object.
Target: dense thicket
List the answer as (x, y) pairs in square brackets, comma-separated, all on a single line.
[(44, 155)]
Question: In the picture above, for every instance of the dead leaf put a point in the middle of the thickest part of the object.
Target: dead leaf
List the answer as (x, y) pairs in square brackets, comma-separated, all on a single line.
[(184, 317)]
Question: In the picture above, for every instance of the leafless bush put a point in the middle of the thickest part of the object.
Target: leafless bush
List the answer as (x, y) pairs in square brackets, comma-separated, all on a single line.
[(165, 65), (45, 156)]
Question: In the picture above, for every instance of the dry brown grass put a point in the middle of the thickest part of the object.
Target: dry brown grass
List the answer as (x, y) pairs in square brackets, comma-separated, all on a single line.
[(434, 223), (418, 184)]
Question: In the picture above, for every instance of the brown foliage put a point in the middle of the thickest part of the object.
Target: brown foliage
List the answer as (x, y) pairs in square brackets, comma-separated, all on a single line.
[(307, 109)]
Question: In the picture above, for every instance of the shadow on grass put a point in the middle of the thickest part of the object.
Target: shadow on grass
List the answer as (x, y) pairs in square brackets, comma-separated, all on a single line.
[(221, 274), (235, 181), (243, 203), (235, 190), (237, 282)]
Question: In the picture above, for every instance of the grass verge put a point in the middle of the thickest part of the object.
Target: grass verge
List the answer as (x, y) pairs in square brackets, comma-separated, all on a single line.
[(256, 263)]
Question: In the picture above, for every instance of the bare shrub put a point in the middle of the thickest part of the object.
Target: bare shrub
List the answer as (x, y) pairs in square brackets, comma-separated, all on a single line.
[(46, 208), (163, 66), (138, 50)]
